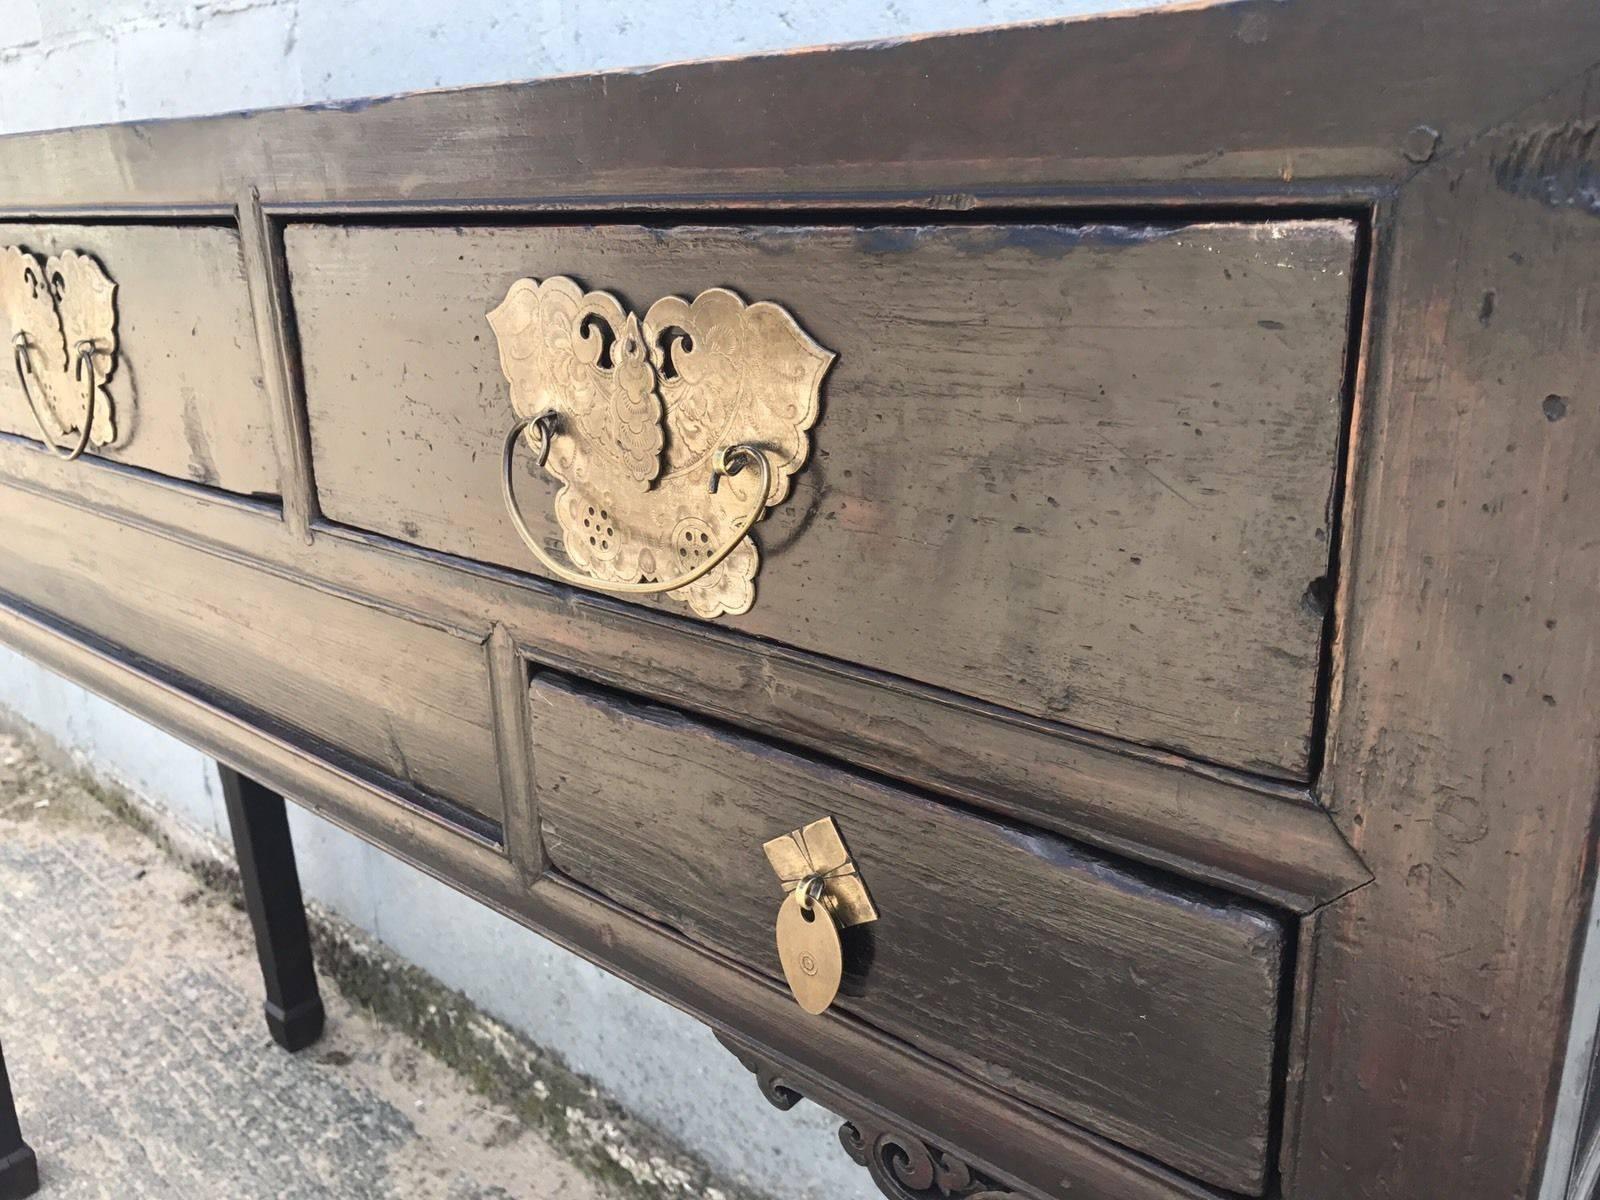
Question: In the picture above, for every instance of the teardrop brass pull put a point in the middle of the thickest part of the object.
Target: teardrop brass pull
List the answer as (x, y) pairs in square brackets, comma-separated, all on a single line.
[(826, 894), (809, 948)]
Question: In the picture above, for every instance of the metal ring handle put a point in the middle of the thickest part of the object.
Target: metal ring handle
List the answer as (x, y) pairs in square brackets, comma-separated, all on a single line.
[(813, 889), (19, 345), (729, 461)]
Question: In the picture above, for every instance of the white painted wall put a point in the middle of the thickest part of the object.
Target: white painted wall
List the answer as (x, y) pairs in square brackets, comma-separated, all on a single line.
[(76, 62), (73, 62)]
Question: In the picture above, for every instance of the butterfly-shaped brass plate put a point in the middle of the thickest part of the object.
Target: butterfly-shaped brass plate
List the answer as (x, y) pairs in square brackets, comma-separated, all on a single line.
[(59, 316), (633, 416)]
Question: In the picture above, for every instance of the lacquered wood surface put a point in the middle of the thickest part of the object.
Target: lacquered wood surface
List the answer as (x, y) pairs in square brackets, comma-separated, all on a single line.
[(1051, 973), (406, 700), (187, 392), (1078, 471), (1433, 973)]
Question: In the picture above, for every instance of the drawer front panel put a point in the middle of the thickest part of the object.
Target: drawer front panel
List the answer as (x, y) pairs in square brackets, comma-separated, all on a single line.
[(187, 393), (1082, 472), (407, 701), (1136, 1007)]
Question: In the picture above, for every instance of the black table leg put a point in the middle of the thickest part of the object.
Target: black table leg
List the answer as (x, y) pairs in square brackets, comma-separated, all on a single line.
[(272, 897), (19, 1173)]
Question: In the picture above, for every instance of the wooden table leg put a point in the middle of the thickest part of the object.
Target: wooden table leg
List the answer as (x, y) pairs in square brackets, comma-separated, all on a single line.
[(19, 1172), (277, 911)]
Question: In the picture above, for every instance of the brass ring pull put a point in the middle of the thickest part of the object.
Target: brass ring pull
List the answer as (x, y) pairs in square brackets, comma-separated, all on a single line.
[(19, 345), (810, 891), (728, 461)]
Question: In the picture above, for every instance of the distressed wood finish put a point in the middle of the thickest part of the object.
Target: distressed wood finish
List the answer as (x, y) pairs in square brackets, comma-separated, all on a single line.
[(407, 700), (1251, 98), (1079, 471), (1264, 839), (1022, 959), (1466, 764), (1441, 857), (866, 1069), (188, 391)]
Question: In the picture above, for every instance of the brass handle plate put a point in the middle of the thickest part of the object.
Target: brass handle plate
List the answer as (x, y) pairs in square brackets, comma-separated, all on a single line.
[(62, 318), (670, 436), (729, 462), (825, 893)]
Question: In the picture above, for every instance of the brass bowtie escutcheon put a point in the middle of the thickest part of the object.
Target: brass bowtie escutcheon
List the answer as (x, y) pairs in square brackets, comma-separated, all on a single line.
[(671, 436), (825, 894), (60, 316)]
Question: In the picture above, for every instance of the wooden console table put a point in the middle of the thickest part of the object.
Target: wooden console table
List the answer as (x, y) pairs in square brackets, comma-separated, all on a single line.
[(1042, 582)]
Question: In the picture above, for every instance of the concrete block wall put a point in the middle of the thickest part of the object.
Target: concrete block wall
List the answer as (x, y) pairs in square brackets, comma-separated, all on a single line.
[(74, 62)]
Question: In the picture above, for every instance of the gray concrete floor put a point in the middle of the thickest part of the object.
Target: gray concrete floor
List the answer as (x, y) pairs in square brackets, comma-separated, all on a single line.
[(130, 1015)]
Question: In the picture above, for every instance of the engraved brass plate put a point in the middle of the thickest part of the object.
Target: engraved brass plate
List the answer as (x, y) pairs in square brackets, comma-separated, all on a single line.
[(818, 849), (60, 317), (648, 426)]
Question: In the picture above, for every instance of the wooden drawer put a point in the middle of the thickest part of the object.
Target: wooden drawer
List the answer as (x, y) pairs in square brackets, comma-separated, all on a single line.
[(1082, 472), (1139, 1007), (401, 702), (187, 393)]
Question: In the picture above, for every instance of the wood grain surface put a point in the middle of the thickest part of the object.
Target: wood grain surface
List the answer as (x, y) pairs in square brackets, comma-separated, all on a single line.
[(1041, 968), (1272, 841), (188, 393), (1079, 471), (406, 700), (1043, 1156), (1465, 761), (1185, 104), (1461, 763)]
